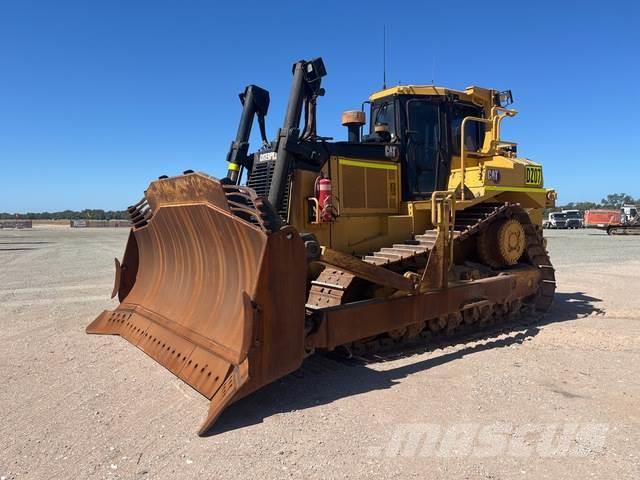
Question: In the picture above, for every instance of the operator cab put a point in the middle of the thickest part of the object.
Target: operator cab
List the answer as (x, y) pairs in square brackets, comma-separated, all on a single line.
[(425, 122)]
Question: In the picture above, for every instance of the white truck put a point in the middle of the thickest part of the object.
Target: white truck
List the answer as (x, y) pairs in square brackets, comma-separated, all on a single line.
[(555, 220), (573, 219)]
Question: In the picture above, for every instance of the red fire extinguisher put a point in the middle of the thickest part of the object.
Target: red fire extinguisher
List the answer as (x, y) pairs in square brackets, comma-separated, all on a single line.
[(324, 197)]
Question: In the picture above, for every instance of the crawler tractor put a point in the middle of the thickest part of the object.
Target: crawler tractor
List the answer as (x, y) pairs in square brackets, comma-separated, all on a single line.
[(422, 224)]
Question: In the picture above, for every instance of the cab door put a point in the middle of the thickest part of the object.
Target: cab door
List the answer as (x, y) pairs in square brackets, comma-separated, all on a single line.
[(424, 152)]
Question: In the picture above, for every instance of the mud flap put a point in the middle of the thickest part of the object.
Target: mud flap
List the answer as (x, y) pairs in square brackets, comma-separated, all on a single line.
[(215, 300)]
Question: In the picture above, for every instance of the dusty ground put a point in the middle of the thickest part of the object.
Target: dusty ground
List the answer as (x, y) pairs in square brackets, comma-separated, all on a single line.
[(563, 395)]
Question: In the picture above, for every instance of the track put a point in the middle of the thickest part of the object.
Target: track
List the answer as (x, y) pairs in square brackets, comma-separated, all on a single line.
[(334, 287), (630, 227), (624, 229)]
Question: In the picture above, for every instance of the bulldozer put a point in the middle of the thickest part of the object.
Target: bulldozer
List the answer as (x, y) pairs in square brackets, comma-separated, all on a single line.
[(423, 223)]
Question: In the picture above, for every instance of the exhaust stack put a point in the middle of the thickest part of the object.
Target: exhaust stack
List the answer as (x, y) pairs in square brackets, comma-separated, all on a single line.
[(353, 120)]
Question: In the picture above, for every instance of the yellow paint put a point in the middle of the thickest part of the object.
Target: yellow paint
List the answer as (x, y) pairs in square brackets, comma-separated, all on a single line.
[(234, 167), (477, 95), (368, 164), (492, 188), (410, 90), (364, 224), (354, 183)]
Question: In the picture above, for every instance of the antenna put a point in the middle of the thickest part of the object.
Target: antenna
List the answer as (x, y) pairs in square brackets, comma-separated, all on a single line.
[(384, 57), (433, 70)]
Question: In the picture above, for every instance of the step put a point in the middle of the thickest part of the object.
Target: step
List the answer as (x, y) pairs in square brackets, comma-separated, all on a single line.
[(331, 286), (428, 244), (375, 260), (389, 255), (409, 248), (397, 251), (427, 235)]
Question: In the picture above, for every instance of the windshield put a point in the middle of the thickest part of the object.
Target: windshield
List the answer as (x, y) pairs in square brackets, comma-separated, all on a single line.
[(558, 216), (575, 214)]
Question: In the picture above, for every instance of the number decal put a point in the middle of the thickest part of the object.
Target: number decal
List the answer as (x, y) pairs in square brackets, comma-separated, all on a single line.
[(533, 175)]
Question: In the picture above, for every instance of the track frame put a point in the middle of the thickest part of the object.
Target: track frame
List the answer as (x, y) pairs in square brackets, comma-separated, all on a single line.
[(340, 315)]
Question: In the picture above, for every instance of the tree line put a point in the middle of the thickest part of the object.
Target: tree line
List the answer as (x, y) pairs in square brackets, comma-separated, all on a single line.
[(612, 201), (87, 214)]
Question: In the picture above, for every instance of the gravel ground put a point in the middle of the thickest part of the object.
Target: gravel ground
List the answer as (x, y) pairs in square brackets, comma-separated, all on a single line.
[(555, 399)]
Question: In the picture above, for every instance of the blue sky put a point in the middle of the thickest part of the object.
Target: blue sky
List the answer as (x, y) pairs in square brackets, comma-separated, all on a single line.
[(98, 98)]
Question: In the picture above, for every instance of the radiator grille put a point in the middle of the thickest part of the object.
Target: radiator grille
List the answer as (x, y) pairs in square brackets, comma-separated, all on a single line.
[(260, 182), (260, 178)]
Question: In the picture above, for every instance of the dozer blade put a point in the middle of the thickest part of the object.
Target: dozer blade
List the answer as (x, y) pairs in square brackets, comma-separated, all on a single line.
[(214, 298)]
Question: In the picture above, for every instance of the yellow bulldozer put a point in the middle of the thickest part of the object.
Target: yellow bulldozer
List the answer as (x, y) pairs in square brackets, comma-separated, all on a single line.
[(423, 224)]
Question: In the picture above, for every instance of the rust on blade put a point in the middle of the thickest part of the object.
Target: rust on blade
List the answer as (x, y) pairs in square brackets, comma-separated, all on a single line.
[(215, 299), (126, 274), (116, 280)]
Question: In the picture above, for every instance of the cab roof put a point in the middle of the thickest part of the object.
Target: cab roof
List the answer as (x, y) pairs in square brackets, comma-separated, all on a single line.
[(473, 93)]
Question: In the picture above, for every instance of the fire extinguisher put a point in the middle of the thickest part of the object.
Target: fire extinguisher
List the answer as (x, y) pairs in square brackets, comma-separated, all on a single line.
[(324, 197)]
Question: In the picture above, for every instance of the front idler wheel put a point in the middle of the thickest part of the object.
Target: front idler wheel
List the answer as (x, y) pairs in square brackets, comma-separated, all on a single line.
[(502, 244)]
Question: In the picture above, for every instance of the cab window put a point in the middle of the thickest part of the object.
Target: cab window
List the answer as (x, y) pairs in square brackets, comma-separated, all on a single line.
[(423, 147), (474, 131), (384, 113)]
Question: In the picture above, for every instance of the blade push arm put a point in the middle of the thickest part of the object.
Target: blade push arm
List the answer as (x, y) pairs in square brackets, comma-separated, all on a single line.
[(307, 77)]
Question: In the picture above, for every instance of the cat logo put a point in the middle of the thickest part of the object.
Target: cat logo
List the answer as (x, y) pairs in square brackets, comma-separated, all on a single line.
[(493, 175), (391, 151)]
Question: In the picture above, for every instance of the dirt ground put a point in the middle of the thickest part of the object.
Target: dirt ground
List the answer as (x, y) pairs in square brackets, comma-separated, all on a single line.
[(556, 399)]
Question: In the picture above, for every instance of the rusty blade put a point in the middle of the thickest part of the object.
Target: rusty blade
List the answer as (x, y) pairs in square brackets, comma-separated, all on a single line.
[(193, 282), (190, 307)]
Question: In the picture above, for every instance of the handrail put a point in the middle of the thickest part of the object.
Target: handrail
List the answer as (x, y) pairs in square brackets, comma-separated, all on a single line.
[(445, 196), (495, 120), (440, 217), (463, 150), (317, 205)]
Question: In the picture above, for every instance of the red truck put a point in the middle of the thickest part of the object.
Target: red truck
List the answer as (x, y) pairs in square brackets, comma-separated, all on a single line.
[(601, 218)]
